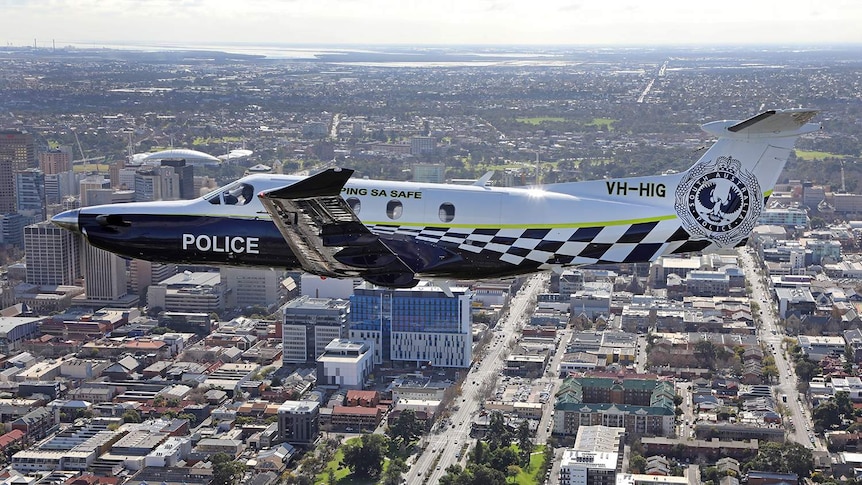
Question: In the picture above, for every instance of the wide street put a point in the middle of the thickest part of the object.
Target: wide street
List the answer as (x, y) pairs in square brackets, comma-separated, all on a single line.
[(449, 441), (772, 337)]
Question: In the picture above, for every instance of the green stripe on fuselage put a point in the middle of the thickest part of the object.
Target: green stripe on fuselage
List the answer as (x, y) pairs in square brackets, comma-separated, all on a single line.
[(566, 225)]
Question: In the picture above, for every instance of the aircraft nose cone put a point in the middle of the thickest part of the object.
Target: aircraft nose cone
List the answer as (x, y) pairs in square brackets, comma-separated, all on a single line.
[(67, 220)]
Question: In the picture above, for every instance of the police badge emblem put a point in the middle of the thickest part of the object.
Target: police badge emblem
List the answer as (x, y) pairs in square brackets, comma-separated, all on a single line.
[(719, 201)]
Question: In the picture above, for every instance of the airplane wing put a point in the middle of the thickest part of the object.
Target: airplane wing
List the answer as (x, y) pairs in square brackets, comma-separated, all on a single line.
[(327, 237)]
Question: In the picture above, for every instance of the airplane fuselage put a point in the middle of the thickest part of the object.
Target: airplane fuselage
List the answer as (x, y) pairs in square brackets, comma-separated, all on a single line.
[(445, 230)]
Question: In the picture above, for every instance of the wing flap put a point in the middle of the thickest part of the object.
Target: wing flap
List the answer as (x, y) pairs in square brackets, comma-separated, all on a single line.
[(327, 237)]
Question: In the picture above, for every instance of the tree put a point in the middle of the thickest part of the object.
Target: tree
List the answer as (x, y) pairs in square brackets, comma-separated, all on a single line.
[(502, 457), (498, 433), (705, 353), (480, 453), (798, 459), (131, 416), (365, 459), (525, 444), (512, 471), (226, 471), (806, 370), (392, 475), (842, 400), (637, 464), (825, 415), (406, 428)]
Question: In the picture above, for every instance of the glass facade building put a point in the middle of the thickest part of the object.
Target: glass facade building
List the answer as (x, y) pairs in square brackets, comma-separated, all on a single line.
[(421, 325)]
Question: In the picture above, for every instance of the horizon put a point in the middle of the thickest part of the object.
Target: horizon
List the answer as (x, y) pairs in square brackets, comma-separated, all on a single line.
[(476, 22)]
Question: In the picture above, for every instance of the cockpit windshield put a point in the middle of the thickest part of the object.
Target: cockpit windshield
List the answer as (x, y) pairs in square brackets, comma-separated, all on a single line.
[(237, 193)]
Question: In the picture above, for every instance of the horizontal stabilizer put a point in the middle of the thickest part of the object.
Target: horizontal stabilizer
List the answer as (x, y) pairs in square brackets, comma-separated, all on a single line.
[(772, 123)]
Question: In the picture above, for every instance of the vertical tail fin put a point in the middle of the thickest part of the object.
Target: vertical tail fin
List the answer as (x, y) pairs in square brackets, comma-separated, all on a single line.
[(721, 196)]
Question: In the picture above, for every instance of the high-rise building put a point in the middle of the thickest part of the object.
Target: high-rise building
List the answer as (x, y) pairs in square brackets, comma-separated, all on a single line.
[(52, 255), (18, 146), (421, 325), (104, 275), (156, 183), (56, 161), (185, 174), (12, 229), (92, 182), (59, 185), (30, 193), (17, 152), (309, 325), (252, 286), (142, 274), (8, 202)]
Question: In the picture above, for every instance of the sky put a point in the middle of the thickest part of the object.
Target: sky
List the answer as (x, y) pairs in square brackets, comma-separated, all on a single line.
[(430, 22)]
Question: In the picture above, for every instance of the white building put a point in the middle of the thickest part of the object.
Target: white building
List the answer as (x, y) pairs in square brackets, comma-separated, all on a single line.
[(251, 286), (190, 292), (169, 453), (596, 457), (345, 363)]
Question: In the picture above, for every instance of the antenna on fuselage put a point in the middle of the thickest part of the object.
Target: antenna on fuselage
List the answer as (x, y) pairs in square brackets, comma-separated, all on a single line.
[(483, 180)]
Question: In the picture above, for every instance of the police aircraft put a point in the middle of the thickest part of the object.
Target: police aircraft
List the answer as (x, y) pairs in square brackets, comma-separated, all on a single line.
[(392, 233)]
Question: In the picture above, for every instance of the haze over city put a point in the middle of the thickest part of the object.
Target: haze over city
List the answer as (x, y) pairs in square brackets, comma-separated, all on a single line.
[(567, 22)]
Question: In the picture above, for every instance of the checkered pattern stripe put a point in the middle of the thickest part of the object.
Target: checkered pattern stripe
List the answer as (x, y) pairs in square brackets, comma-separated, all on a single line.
[(620, 243)]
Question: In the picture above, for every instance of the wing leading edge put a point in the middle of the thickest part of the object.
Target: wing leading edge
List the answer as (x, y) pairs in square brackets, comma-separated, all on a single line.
[(327, 237)]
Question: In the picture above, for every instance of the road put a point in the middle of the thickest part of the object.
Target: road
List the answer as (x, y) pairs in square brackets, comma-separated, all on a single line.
[(450, 445), (772, 337)]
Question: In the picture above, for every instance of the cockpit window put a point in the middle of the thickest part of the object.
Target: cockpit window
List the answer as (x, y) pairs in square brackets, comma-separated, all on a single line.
[(239, 193)]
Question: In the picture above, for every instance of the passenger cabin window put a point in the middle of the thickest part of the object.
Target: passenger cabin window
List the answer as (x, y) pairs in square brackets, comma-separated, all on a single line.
[(237, 194), (446, 212), (354, 204), (394, 208)]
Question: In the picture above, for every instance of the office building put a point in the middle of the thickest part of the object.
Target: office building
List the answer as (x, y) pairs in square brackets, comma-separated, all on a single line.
[(142, 274), (30, 194), (104, 275), (252, 286), (299, 422), (59, 186), (420, 326), (91, 182), (190, 292), (185, 177), (56, 161), (12, 229), (345, 363), (422, 145), (156, 183), (18, 146), (52, 255), (310, 324)]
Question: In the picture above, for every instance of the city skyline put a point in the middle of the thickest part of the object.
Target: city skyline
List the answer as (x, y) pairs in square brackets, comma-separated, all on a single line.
[(338, 22)]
